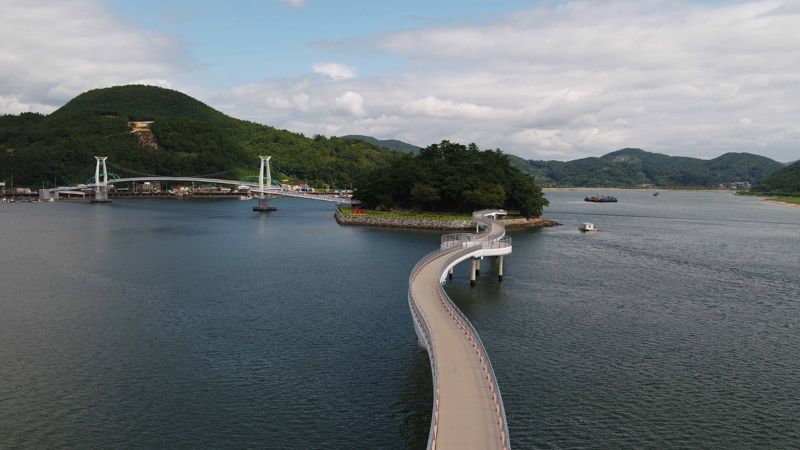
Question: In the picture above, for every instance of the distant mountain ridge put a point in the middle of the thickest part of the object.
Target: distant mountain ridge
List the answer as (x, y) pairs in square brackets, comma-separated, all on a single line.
[(391, 144), (632, 167)]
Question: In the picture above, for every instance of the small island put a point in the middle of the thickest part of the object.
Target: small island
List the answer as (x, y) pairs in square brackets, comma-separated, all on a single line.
[(437, 189)]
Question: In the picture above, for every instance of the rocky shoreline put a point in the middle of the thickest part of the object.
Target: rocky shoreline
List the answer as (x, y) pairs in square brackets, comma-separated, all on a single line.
[(522, 223), (442, 225)]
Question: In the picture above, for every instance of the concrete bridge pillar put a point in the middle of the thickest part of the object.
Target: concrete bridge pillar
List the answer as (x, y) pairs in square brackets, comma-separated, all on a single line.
[(500, 268), (473, 276)]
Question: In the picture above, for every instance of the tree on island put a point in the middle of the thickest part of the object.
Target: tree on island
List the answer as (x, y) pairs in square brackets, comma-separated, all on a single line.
[(452, 177)]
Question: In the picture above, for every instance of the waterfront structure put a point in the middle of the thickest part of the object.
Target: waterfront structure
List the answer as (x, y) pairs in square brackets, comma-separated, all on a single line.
[(468, 410)]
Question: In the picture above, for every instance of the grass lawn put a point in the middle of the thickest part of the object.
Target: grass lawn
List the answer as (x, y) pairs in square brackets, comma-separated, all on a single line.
[(407, 215), (790, 200)]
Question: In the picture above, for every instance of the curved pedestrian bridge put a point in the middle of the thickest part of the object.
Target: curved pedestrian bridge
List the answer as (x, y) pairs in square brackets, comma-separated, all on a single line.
[(468, 410)]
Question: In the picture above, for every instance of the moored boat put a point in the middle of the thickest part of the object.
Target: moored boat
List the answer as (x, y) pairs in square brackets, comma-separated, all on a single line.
[(601, 199)]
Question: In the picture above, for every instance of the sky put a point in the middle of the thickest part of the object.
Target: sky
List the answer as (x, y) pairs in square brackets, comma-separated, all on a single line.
[(540, 79)]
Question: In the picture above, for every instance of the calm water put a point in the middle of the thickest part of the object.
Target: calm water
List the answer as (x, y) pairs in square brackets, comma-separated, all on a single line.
[(189, 324)]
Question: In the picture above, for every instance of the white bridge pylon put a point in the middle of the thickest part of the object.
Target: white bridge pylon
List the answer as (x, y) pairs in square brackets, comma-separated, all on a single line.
[(264, 198), (100, 187), (264, 163)]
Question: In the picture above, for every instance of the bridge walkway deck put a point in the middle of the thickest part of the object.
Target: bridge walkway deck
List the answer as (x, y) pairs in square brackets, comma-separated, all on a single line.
[(469, 413)]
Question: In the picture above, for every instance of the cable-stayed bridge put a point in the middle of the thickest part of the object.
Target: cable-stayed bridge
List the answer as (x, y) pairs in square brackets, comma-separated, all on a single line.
[(264, 189)]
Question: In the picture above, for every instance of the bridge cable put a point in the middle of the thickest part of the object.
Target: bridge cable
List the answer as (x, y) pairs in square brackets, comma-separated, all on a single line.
[(135, 172)]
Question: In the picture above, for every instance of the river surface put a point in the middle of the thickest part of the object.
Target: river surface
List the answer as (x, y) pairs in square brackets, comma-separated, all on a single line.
[(197, 324)]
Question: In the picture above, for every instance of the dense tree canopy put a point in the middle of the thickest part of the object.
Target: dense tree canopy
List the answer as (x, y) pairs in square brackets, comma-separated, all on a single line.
[(783, 182), (451, 177)]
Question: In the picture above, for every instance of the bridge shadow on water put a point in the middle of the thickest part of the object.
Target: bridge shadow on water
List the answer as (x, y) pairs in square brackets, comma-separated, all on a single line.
[(417, 398)]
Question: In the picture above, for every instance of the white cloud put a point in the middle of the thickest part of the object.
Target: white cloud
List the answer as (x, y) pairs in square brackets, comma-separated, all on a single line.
[(433, 107), (54, 50), (350, 102), (559, 81), (577, 78), (334, 70), (11, 104), (154, 82), (296, 3), (300, 101)]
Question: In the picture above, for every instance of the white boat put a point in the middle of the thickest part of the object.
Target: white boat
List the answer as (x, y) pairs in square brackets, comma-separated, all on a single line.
[(244, 197), (587, 226)]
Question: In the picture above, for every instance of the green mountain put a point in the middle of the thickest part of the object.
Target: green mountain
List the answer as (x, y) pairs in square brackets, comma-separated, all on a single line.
[(391, 144), (631, 167), (186, 138), (783, 182)]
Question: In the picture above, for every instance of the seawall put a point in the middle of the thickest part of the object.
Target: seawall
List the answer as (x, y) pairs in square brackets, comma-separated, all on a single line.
[(428, 224), (391, 222)]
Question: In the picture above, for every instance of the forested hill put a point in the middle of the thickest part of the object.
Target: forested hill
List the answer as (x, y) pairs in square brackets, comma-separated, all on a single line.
[(631, 167), (452, 177), (190, 138), (784, 182), (392, 144)]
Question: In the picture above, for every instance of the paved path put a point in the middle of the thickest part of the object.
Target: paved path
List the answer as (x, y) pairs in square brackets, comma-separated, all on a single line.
[(468, 409)]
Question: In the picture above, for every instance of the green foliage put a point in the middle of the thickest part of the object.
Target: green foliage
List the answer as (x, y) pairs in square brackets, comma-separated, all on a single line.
[(451, 177), (783, 182), (632, 167), (193, 139), (137, 102), (426, 195), (486, 196)]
